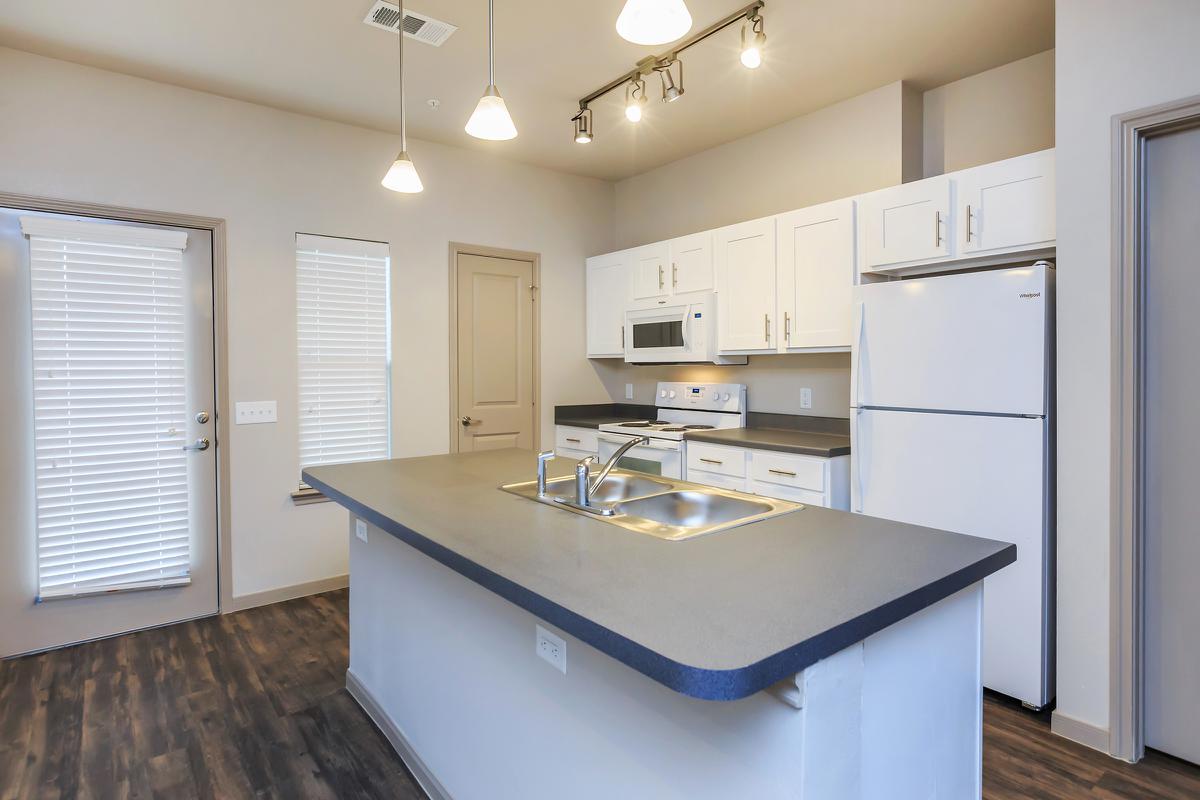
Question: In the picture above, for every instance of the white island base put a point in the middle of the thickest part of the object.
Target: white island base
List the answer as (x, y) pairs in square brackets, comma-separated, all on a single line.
[(448, 671)]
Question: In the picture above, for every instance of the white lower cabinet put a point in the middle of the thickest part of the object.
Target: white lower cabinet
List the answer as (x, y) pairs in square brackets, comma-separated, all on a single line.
[(572, 442), (813, 480)]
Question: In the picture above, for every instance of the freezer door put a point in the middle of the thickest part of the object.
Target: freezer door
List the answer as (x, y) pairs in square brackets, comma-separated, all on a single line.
[(975, 342), (982, 476)]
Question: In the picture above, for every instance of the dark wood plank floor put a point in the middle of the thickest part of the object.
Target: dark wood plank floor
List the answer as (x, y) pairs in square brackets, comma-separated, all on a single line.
[(252, 705)]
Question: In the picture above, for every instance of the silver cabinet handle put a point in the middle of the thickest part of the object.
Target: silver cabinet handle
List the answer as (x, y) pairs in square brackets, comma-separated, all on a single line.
[(787, 326), (622, 338), (576, 441), (660, 277), (969, 215), (468, 421), (200, 444), (767, 327), (674, 275), (782, 472), (711, 461), (937, 228)]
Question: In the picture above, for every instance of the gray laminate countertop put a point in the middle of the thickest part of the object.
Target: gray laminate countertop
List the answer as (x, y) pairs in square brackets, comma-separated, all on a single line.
[(809, 443), (717, 617)]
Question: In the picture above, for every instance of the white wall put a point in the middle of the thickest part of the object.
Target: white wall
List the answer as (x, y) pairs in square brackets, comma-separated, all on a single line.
[(1003, 112), (1113, 56), (88, 135)]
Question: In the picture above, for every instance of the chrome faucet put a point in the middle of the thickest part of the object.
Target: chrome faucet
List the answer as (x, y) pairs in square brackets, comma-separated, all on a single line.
[(543, 457), (584, 491)]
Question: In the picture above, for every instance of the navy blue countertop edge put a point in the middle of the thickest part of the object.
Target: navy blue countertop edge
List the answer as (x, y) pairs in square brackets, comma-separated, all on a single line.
[(704, 684)]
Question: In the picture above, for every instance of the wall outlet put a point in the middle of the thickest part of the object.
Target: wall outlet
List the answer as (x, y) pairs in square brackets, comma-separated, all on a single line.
[(255, 412), (806, 398), (360, 529), (551, 648), (629, 391)]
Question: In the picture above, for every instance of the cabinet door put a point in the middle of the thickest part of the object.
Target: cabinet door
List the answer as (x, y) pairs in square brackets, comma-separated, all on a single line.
[(692, 263), (744, 261), (816, 276), (1007, 206), (607, 296), (906, 225), (650, 276)]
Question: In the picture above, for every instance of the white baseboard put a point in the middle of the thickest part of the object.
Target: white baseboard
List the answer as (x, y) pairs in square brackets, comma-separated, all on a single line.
[(242, 602), (1077, 730), (431, 785)]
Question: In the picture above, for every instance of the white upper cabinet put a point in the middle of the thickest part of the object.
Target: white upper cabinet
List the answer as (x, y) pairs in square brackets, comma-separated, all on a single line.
[(1007, 206), (907, 225), (816, 276), (744, 262), (607, 298), (692, 263), (650, 276)]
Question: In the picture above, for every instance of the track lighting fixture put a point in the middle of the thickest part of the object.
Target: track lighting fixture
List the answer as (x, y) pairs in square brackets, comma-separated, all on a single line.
[(653, 22), (491, 119), (752, 45), (635, 98), (402, 176), (753, 40), (670, 92), (583, 125)]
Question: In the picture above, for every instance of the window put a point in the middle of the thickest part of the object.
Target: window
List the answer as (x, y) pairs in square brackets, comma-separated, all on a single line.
[(342, 332), (109, 406)]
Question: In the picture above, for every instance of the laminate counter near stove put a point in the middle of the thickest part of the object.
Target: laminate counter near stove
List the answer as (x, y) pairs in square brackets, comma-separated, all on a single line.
[(867, 631)]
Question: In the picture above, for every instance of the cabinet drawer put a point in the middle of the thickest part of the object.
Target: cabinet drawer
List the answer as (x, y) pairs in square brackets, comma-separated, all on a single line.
[(716, 458), (568, 438), (779, 492), (732, 482), (786, 469)]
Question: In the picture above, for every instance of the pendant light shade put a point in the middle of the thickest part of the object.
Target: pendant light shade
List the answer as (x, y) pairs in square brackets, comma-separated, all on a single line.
[(491, 119), (652, 22), (403, 177)]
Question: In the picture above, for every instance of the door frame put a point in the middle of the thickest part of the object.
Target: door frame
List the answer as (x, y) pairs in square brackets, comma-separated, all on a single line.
[(222, 418), (535, 259), (1126, 735)]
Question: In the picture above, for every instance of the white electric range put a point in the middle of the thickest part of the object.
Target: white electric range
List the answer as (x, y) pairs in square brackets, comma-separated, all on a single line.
[(681, 407)]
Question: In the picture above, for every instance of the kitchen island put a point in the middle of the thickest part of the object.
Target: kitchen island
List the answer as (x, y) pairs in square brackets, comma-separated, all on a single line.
[(818, 654)]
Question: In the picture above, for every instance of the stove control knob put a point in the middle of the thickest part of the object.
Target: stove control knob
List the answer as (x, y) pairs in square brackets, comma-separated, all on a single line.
[(663, 393), (671, 394), (725, 396)]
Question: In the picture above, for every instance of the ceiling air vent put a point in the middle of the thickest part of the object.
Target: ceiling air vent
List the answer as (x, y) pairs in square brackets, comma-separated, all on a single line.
[(416, 26)]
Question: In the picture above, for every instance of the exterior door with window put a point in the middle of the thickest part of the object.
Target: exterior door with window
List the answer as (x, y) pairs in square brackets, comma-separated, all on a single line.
[(110, 325)]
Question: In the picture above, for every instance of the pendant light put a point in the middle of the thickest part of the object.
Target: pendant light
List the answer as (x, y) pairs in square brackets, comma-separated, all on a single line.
[(491, 119), (653, 22), (402, 177)]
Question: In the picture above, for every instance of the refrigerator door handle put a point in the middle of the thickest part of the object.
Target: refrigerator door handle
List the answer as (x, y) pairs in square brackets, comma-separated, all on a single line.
[(856, 354), (857, 456)]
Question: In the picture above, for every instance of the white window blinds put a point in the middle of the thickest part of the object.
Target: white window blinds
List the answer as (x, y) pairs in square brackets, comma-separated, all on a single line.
[(342, 330), (109, 395)]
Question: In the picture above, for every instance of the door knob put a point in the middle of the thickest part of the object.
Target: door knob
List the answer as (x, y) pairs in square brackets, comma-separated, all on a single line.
[(200, 444), (468, 421)]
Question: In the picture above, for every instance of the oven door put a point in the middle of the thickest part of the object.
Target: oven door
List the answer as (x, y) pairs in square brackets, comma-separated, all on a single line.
[(660, 335), (660, 457)]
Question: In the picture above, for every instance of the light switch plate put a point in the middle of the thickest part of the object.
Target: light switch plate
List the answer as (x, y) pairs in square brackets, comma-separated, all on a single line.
[(806, 398), (551, 648), (360, 529), (629, 391), (255, 412)]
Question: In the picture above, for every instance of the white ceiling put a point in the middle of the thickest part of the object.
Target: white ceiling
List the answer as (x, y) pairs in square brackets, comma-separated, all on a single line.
[(317, 57)]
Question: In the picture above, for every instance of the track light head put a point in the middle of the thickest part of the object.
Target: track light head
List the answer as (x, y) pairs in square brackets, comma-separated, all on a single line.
[(583, 126), (670, 91), (635, 99), (753, 42)]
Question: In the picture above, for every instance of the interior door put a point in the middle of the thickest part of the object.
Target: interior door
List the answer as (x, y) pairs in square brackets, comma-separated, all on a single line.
[(744, 259), (1172, 446), (109, 453), (982, 476), (816, 275), (495, 352)]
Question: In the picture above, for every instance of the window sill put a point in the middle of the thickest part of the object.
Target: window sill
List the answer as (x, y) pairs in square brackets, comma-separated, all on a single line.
[(307, 496)]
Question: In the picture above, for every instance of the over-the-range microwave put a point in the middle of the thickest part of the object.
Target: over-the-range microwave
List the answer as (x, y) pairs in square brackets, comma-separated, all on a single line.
[(683, 333)]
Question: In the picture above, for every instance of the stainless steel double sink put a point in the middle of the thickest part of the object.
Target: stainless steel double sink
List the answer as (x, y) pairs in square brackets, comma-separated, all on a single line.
[(663, 507)]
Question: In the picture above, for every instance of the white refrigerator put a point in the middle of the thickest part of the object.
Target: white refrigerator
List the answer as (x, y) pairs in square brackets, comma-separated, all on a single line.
[(952, 393)]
